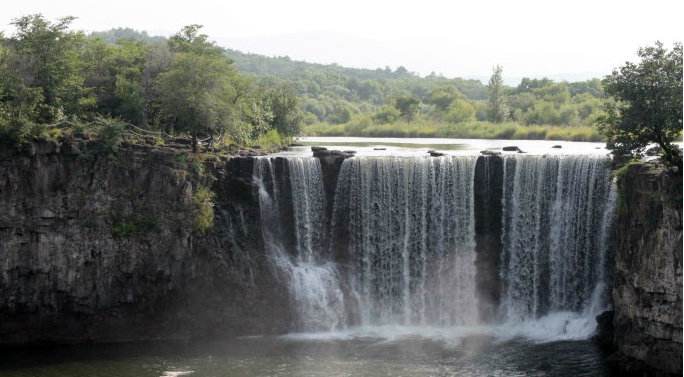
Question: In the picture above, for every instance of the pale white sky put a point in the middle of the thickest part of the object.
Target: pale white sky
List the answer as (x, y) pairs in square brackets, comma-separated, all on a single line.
[(572, 39)]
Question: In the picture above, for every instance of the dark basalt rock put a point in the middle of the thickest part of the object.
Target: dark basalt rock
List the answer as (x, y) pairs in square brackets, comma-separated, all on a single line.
[(435, 153), (331, 162), (488, 152), (318, 149), (647, 291), (605, 330), (325, 153), (488, 224), (511, 148), (557, 146), (104, 249), (248, 153)]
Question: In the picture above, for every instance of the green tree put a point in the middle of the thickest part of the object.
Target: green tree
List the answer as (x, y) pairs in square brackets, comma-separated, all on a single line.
[(407, 106), (648, 106), (386, 114), (497, 100), (443, 97), (460, 111), (114, 78), (197, 94), (283, 102), (45, 56)]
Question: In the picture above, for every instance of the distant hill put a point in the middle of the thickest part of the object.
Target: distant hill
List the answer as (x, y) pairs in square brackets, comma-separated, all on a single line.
[(286, 68), (335, 95)]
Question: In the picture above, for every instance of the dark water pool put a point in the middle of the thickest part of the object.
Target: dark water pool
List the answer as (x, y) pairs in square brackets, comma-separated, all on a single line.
[(296, 356)]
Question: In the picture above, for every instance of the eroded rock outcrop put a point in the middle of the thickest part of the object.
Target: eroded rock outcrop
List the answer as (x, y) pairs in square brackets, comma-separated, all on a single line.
[(647, 293)]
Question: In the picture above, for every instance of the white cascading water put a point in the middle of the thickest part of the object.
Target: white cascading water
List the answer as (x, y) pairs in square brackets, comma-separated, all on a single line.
[(557, 212), (409, 242), (314, 282), (411, 238)]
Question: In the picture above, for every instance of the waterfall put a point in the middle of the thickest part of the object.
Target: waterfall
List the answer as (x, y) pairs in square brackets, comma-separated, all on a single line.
[(313, 281), (400, 247), (411, 239), (555, 208)]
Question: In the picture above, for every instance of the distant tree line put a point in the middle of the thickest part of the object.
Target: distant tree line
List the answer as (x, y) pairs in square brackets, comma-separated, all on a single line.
[(51, 75), (335, 95)]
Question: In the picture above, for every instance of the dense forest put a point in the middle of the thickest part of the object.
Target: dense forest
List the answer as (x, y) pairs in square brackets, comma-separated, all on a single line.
[(54, 80)]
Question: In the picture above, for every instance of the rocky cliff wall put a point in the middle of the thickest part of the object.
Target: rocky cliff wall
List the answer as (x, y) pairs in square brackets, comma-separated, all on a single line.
[(105, 248), (647, 291)]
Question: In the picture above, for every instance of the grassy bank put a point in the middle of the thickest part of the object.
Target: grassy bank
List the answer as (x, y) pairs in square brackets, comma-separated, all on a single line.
[(469, 130)]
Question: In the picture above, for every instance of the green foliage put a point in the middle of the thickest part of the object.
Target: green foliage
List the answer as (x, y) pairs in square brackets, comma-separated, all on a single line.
[(497, 101), (386, 114), (42, 63), (182, 158), (52, 76), (131, 226), (109, 133), (407, 106), (203, 200), (197, 94), (342, 101), (465, 130), (283, 103), (271, 140), (460, 111), (53, 80), (622, 170), (648, 106)]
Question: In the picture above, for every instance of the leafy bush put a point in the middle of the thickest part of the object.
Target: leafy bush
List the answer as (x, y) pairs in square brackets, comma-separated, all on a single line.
[(110, 134), (203, 200), (270, 140)]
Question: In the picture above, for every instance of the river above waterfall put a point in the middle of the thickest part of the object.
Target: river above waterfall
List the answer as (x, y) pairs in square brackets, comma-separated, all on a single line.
[(368, 146), (327, 355)]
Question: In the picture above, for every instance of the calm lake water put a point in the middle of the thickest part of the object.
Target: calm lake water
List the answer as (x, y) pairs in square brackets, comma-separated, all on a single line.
[(406, 355), (365, 146)]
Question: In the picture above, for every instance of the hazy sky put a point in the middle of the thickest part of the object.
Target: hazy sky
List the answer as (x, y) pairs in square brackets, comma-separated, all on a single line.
[(570, 39)]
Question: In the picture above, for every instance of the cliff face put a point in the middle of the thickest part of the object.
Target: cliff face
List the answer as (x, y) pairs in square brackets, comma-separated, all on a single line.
[(647, 292), (106, 248)]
